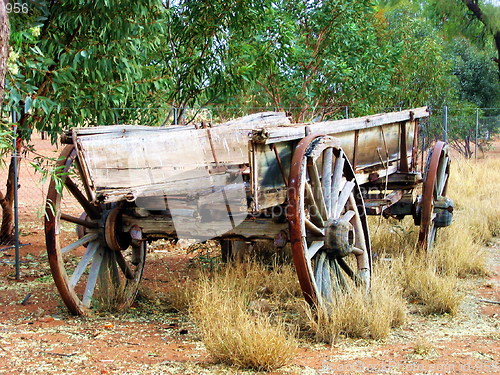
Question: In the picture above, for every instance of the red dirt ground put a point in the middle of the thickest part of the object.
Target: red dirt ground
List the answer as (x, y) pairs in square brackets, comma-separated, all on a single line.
[(40, 337)]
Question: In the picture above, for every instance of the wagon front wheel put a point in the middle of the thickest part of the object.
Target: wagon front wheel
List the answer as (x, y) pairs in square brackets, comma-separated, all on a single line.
[(93, 264), (328, 228), (435, 209)]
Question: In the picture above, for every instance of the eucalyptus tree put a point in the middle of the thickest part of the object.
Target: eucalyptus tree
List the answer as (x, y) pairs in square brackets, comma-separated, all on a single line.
[(74, 62), (476, 20), (311, 58)]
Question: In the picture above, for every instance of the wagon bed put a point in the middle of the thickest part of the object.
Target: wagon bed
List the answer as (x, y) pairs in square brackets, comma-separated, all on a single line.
[(126, 161)]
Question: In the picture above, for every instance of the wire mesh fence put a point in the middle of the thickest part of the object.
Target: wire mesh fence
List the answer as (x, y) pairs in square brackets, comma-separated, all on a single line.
[(468, 130), (459, 126)]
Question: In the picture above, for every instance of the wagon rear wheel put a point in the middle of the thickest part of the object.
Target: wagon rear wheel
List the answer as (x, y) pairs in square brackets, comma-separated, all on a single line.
[(328, 228), (435, 208), (88, 273)]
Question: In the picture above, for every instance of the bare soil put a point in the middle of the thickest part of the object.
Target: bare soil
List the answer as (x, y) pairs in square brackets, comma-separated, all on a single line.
[(38, 336)]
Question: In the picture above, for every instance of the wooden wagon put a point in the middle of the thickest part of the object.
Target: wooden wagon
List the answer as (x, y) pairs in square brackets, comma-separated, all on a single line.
[(256, 178)]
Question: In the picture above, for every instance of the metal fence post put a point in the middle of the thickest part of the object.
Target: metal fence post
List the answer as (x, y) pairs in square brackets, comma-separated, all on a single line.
[(445, 123), (477, 132), (346, 112), (16, 204)]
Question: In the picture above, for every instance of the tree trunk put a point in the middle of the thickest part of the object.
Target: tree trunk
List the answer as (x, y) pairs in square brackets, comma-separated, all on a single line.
[(7, 204), (4, 47), (497, 45), (7, 200), (468, 153)]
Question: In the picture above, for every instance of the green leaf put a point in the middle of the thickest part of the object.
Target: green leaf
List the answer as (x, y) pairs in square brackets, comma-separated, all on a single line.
[(27, 103)]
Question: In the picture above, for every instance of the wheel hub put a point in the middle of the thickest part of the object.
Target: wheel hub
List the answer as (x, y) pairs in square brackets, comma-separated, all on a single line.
[(340, 237), (443, 208), (116, 239)]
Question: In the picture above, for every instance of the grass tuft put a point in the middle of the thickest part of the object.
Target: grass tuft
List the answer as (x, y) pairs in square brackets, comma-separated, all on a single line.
[(422, 284), (234, 322), (360, 315)]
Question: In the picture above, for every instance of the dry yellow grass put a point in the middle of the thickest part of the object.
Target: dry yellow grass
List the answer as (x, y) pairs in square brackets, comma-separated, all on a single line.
[(474, 188), (357, 314), (430, 279), (416, 273), (235, 325), (422, 284), (423, 347), (391, 237)]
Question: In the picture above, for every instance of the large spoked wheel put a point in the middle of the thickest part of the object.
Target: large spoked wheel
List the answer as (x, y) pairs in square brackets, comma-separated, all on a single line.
[(433, 199), (328, 228), (94, 264)]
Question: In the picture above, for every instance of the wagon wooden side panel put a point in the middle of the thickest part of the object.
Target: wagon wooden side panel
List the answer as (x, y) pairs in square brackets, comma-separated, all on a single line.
[(381, 144)]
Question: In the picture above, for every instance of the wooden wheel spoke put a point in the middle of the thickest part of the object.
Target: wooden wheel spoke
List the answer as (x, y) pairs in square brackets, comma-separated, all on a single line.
[(344, 197), (82, 241), (109, 278), (316, 187), (95, 269), (327, 179), (336, 182), (348, 216), (76, 220), (314, 212), (326, 285), (313, 249), (104, 275), (341, 282), (91, 210), (129, 274), (319, 272), (345, 267), (357, 251), (113, 270), (362, 255), (334, 276), (311, 227), (442, 176), (84, 262)]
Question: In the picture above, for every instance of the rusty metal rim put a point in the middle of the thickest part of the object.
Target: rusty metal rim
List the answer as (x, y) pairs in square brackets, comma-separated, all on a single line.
[(60, 277), (294, 219), (428, 196)]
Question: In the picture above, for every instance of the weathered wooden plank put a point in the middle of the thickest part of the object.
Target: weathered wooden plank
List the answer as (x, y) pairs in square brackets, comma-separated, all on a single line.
[(140, 160), (297, 131), (251, 228), (126, 161), (189, 187)]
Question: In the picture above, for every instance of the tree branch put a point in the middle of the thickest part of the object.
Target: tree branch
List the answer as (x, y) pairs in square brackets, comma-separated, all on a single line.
[(474, 7)]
